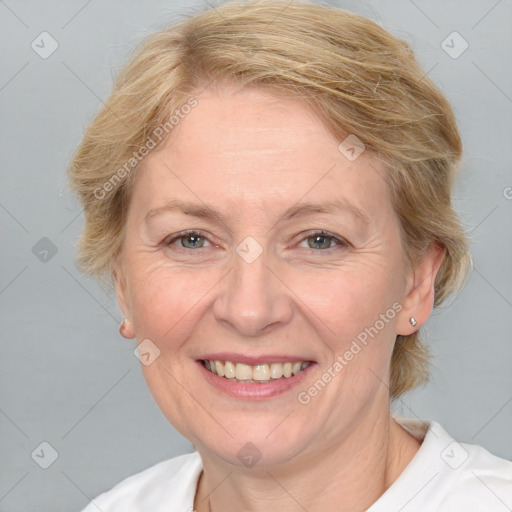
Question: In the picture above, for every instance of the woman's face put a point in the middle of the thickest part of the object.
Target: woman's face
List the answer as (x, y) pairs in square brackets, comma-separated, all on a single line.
[(295, 257)]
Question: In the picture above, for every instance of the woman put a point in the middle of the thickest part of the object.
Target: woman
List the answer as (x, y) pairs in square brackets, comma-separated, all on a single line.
[(268, 191)]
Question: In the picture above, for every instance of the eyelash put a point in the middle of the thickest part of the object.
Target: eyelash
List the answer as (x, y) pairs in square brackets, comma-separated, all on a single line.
[(340, 242)]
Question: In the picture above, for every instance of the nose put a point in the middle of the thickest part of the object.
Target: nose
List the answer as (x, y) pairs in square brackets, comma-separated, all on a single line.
[(253, 300)]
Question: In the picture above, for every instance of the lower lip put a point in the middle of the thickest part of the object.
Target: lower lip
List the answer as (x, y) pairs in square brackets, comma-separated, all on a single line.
[(252, 391)]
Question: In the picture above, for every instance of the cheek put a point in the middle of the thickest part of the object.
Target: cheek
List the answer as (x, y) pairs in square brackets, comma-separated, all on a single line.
[(347, 302), (167, 301), (355, 311), (357, 314)]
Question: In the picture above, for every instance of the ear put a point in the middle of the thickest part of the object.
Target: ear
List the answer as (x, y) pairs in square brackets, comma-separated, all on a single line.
[(126, 329), (419, 299)]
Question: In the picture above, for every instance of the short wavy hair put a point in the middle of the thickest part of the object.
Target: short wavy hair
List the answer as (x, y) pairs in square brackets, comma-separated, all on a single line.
[(358, 77)]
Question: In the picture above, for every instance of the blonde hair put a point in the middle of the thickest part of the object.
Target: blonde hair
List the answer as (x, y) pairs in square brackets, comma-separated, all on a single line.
[(358, 77)]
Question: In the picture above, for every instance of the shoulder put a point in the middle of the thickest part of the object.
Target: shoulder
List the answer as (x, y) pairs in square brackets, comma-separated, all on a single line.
[(478, 481), (447, 476), (167, 486)]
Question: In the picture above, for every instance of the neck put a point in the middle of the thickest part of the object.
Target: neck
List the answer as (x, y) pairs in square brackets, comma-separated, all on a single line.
[(348, 476)]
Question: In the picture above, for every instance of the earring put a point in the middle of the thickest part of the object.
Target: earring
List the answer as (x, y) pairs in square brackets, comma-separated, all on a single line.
[(412, 321), (123, 329)]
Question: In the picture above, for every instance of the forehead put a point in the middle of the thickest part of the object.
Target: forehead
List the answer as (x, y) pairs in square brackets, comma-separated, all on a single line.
[(248, 147), (245, 130)]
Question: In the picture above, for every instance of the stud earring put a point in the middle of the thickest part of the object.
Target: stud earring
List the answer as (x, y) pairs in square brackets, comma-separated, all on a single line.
[(412, 321)]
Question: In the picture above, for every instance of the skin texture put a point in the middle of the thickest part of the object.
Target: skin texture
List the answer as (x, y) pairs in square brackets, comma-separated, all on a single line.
[(251, 156)]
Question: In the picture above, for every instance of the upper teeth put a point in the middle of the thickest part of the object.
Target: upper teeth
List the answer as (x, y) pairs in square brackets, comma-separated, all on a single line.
[(259, 372)]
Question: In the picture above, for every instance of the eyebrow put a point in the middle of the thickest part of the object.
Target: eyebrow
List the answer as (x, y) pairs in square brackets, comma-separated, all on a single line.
[(302, 209)]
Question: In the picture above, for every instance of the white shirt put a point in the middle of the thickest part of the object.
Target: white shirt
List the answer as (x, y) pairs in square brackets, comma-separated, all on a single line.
[(443, 476)]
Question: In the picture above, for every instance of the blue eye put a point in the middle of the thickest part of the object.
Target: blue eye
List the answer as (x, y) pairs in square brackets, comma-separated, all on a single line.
[(322, 240), (317, 241), (189, 240)]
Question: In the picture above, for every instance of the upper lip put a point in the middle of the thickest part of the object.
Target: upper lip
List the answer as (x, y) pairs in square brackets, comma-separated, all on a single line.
[(253, 360)]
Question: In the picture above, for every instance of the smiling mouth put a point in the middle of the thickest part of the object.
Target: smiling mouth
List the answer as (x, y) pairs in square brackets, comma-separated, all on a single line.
[(258, 374)]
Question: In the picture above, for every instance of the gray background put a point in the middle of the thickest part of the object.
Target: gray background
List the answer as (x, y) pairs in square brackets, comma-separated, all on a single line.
[(69, 379)]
